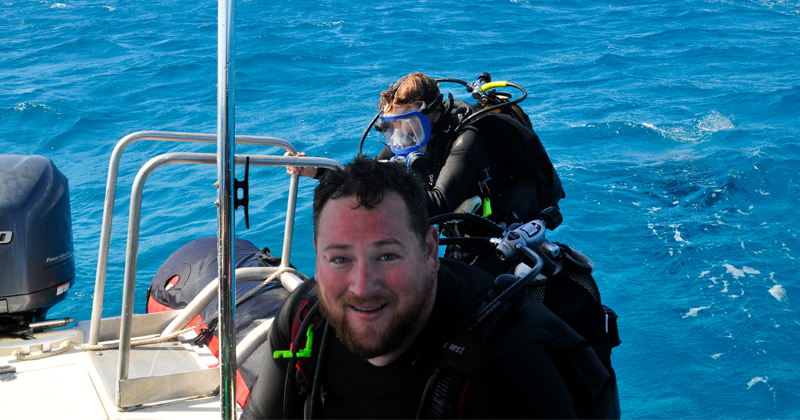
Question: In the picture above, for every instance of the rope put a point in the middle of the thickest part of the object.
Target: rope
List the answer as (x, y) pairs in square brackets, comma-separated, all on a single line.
[(69, 345), (255, 290), (269, 279)]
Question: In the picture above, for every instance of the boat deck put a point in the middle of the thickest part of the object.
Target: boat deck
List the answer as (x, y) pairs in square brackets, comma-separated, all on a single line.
[(81, 384)]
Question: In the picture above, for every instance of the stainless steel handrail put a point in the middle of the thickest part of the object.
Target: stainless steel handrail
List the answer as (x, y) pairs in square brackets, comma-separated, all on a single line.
[(111, 188), (288, 280), (254, 338), (132, 249), (199, 302), (252, 341)]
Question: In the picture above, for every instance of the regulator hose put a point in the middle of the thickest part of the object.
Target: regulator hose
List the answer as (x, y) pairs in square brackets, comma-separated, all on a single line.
[(493, 228)]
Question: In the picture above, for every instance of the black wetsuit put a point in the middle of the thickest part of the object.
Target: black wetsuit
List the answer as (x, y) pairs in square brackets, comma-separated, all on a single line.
[(520, 381), (455, 176)]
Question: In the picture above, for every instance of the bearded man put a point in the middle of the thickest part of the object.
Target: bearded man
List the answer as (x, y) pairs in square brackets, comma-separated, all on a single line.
[(364, 339)]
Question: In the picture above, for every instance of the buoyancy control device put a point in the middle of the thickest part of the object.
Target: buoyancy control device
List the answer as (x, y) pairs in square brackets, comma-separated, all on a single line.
[(561, 279), (508, 126), (37, 265)]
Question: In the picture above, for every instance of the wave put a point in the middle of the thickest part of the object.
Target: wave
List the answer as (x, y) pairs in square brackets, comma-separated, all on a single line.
[(697, 130)]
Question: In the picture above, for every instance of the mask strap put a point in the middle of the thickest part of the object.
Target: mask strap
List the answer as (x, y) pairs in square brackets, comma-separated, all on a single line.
[(429, 107)]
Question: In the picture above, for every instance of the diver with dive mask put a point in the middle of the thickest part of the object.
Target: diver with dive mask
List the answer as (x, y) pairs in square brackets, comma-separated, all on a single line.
[(463, 152)]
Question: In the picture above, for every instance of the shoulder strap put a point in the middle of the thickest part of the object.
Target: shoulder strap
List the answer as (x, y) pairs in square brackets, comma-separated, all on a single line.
[(307, 321), (304, 349)]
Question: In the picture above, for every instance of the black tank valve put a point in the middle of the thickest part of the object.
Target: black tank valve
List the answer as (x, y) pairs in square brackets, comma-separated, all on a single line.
[(551, 217)]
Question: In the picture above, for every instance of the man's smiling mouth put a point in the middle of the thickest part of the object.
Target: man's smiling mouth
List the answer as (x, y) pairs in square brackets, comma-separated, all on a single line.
[(369, 309)]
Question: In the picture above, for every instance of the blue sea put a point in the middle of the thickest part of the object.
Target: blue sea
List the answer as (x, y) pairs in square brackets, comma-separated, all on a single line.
[(674, 126)]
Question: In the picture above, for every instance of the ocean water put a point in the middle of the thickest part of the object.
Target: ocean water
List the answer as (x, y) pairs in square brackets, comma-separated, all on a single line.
[(674, 126)]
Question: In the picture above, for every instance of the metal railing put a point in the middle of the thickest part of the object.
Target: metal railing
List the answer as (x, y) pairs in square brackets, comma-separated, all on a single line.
[(125, 385), (111, 189)]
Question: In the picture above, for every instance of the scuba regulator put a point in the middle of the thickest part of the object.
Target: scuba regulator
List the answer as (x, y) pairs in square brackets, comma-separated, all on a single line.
[(415, 162)]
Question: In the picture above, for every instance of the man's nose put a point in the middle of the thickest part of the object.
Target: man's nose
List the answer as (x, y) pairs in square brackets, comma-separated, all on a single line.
[(364, 280)]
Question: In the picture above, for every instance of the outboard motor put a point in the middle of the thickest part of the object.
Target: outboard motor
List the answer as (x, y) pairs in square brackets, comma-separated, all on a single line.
[(37, 265)]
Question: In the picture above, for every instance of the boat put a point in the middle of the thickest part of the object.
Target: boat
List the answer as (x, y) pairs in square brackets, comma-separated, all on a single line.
[(134, 365)]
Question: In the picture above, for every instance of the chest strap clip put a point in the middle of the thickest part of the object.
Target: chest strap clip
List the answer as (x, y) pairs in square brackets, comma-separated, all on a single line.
[(306, 352)]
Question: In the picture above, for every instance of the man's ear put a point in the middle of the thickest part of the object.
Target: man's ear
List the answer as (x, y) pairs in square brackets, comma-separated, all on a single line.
[(432, 248)]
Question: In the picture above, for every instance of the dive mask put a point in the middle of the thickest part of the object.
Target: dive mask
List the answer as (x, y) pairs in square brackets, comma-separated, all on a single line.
[(405, 133)]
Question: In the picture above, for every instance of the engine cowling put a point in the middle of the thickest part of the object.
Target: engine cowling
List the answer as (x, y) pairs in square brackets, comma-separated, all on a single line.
[(37, 264)]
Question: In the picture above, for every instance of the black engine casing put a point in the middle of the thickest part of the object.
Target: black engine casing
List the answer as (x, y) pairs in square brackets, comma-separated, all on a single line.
[(37, 265)]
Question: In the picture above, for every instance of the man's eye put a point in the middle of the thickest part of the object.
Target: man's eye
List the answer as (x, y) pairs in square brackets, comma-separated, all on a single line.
[(387, 257), (339, 260)]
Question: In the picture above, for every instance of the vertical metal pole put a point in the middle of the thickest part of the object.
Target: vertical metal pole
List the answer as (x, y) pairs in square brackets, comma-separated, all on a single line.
[(225, 212), (105, 239), (289, 229)]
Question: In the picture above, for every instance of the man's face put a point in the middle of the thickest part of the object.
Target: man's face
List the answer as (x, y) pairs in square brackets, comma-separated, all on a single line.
[(376, 280)]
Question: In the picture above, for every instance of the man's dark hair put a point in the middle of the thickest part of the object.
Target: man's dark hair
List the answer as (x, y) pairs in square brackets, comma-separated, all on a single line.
[(369, 181)]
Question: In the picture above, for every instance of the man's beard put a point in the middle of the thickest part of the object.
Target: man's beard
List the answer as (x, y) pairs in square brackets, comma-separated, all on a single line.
[(403, 323)]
